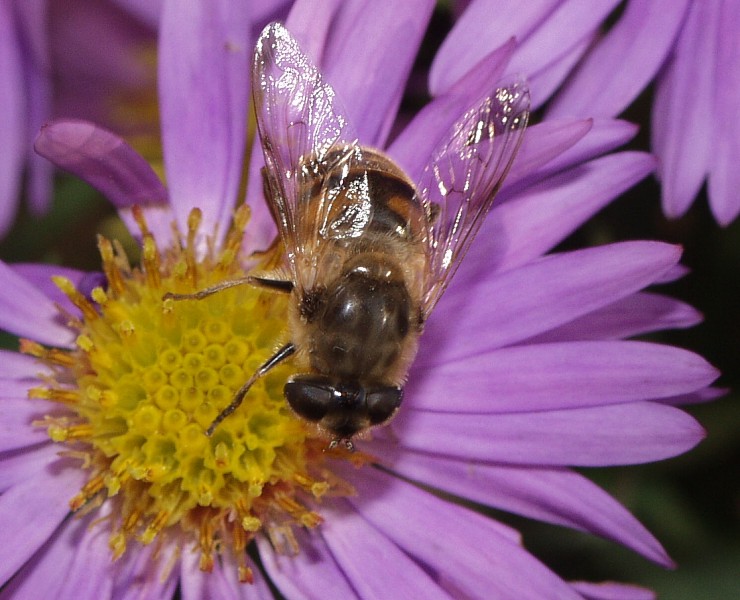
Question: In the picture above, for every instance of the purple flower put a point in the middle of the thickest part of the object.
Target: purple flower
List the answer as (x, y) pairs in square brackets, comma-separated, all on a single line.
[(525, 368), (689, 49)]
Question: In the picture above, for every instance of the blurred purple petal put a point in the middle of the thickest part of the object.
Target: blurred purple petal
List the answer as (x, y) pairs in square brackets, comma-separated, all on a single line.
[(146, 573), (621, 65), (697, 397), (612, 591), (312, 573), (204, 82), (15, 467), (19, 366), (483, 559), (635, 315), (75, 564), (558, 496), (40, 276), (683, 115), (529, 225), (484, 26), (724, 175), (12, 117), (571, 24), (371, 83), (551, 291), (103, 160), (414, 144), (16, 416), (221, 583), (545, 142), (354, 544), (557, 376), (545, 81), (148, 11), (27, 312), (28, 519), (619, 434), (603, 136)]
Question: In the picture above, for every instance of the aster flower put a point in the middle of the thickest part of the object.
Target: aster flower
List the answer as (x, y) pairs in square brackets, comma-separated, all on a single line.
[(535, 376)]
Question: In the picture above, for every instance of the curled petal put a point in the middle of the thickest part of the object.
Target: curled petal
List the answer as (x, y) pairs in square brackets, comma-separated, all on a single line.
[(102, 159)]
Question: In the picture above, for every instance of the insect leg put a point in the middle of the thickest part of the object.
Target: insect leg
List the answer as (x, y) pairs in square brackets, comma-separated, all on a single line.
[(274, 360), (204, 293), (273, 284)]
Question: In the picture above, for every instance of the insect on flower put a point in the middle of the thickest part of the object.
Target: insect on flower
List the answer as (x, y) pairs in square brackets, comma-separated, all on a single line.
[(368, 252)]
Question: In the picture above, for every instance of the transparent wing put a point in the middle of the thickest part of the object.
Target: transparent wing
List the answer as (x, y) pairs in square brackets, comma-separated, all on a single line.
[(459, 184), (308, 145)]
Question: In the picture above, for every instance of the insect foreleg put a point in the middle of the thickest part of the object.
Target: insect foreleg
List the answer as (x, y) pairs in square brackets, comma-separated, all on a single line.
[(273, 361), (273, 284)]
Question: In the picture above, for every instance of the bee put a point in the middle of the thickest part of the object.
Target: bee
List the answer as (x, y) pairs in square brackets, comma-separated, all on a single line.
[(368, 251)]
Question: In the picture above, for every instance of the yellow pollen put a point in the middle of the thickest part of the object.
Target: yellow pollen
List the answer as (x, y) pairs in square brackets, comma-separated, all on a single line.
[(147, 378)]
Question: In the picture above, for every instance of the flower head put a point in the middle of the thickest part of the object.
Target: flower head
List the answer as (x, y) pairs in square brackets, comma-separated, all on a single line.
[(523, 369)]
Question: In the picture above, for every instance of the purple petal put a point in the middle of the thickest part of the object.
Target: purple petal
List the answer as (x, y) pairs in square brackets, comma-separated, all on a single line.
[(374, 565), (724, 176), (371, 82), (15, 467), (203, 82), (621, 65), (596, 436), (545, 80), (550, 292), (484, 26), (612, 591), (683, 118), (557, 376), (221, 583), (421, 136), (466, 550), (103, 160), (19, 366), (16, 416), (146, 573), (148, 11), (529, 225), (31, 511), (638, 314), (699, 397), (604, 136), (40, 276), (567, 27), (26, 312), (557, 496), (312, 573), (12, 117), (75, 563), (545, 142)]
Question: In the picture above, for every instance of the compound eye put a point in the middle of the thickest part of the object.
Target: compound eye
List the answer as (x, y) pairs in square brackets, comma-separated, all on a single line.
[(310, 397), (382, 403)]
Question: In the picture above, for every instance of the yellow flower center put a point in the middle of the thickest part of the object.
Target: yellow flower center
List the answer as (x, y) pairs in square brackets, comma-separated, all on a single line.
[(147, 378)]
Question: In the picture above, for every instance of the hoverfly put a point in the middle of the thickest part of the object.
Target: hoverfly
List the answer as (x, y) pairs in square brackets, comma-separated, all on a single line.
[(369, 252)]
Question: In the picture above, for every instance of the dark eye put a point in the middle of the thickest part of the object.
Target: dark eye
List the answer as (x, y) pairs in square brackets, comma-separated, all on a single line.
[(310, 398), (382, 403)]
